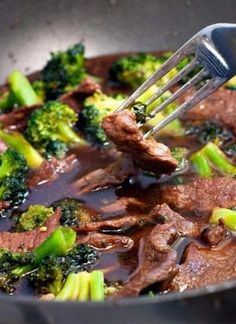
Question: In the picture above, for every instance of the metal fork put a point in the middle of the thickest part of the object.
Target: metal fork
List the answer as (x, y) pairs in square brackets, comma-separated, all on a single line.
[(213, 50)]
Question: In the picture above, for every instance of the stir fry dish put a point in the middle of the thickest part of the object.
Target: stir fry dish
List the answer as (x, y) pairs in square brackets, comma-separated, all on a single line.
[(91, 209)]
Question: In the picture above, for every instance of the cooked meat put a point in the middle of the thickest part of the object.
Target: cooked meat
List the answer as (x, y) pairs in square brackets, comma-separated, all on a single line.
[(110, 224), (201, 195), (220, 107), (17, 119), (204, 266), (4, 204), (27, 241), (114, 174), (121, 128), (185, 227), (50, 170), (213, 235), (107, 242), (157, 259), (121, 205), (76, 97)]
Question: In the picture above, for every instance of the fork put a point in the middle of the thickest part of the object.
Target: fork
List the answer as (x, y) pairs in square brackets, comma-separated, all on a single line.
[(213, 51)]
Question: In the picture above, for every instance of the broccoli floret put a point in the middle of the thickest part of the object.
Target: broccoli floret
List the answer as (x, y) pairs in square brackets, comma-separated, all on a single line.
[(57, 244), (52, 122), (95, 108), (55, 148), (34, 217), (64, 71), (209, 131), (73, 212), (8, 262), (13, 170), (7, 101), (52, 270), (23, 147), (133, 70), (180, 154), (230, 149)]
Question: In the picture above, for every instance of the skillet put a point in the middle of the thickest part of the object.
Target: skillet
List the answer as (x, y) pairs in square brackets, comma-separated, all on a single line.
[(29, 30)]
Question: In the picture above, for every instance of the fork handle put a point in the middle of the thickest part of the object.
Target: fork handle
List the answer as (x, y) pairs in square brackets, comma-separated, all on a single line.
[(224, 38)]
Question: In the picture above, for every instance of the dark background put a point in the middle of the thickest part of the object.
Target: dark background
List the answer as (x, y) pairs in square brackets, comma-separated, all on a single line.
[(30, 29)]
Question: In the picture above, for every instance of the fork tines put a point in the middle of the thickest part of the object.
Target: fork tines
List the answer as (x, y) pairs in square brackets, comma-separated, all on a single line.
[(208, 85)]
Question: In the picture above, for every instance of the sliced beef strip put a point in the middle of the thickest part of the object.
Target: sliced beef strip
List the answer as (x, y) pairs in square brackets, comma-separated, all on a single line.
[(114, 174), (201, 195), (50, 170), (17, 119), (29, 240), (75, 98), (214, 234), (220, 107), (203, 266), (121, 205), (157, 259), (107, 242), (121, 128), (122, 223)]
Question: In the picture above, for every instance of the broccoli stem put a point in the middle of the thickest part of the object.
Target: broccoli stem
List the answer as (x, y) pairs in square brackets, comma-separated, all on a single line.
[(22, 89), (219, 159), (70, 289), (227, 215), (57, 244), (84, 282), (22, 146), (22, 270), (201, 164), (68, 135), (56, 286), (97, 286)]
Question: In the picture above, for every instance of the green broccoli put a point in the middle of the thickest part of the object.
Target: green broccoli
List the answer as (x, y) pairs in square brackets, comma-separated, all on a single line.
[(212, 156), (7, 101), (231, 84), (133, 70), (73, 212), (8, 262), (58, 243), (83, 286), (53, 270), (39, 88), (95, 108), (228, 217), (15, 265), (23, 147), (209, 131), (13, 169), (175, 128), (22, 90), (53, 122), (34, 217), (64, 71), (55, 148)]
